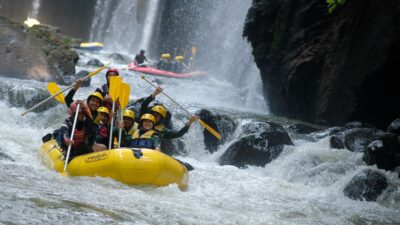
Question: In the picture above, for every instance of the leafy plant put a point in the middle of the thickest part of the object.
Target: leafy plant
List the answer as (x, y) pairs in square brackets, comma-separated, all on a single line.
[(332, 4)]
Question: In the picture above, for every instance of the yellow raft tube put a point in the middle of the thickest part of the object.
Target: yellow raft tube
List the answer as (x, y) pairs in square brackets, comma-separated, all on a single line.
[(138, 167)]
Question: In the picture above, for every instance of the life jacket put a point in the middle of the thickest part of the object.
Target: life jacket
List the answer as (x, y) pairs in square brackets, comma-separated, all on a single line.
[(103, 131), (133, 129), (79, 138), (143, 141)]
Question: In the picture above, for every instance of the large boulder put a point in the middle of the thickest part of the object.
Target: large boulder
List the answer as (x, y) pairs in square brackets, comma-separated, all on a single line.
[(385, 153), (38, 53), (120, 58), (223, 124), (25, 94), (94, 62), (356, 139), (367, 185), (300, 128), (316, 136), (327, 68), (259, 144), (394, 127)]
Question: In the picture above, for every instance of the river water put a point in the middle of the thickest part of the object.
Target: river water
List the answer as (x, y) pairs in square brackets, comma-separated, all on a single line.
[(303, 186)]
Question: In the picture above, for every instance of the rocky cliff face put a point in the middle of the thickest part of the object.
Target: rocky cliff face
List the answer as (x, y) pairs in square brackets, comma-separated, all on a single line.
[(38, 53), (328, 68), (73, 17)]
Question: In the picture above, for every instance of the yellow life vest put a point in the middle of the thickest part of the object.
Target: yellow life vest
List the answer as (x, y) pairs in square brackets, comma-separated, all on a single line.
[(147, 135), (133, 129), (144, 141)]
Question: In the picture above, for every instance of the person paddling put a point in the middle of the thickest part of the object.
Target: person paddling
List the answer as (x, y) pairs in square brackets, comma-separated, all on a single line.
[(83, 134), (140, 59)]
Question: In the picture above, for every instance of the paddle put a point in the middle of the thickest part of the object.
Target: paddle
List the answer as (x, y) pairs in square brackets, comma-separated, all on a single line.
[(115, 83), (123, 102), (64, 90), (210, 129), (54, 88), (194, 50), (72, 137)]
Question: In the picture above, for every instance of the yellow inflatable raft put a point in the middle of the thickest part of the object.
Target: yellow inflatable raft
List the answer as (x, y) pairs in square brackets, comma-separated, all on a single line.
[(139, 166)]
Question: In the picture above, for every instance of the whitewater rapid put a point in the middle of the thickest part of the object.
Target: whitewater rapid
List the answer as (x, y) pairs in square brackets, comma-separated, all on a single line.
[(304, 185)]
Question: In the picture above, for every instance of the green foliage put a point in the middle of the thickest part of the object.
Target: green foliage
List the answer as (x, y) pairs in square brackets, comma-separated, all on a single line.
[(332, 4)]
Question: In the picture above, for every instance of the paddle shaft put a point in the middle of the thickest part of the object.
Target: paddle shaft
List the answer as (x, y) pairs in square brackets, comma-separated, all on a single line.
[(72, 137), (120, 130), (183, 108), (64, 90), (111, 127), (210, 129)]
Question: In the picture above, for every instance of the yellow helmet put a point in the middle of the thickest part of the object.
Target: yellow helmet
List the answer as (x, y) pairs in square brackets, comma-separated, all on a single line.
[(148, 116), (97, 95), (179, 58), (166, 56), (159, 109), (129, 113), (103, 110)]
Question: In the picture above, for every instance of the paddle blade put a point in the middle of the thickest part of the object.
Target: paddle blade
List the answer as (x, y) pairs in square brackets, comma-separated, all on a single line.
[(53, 88), (115, 83), (194, 50), (125, 91), (210, 129)]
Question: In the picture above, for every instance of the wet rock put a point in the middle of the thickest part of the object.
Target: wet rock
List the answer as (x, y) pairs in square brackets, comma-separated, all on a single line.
[(327, 68), (358, 124), (68, 80), (356, 139), (316, 136), (302, 128), (38, 53), (120, 58), (24, 95), (367, 185), (337, 142), (394, 127), (259, 144), (173, 147), (223, 124), (385, 153), (94, 62), (82, 74)]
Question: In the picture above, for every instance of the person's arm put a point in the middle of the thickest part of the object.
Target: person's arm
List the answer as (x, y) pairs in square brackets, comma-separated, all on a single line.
[(70, 96), (145, 104), (171, 134), (65, 131), (157, 143)]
